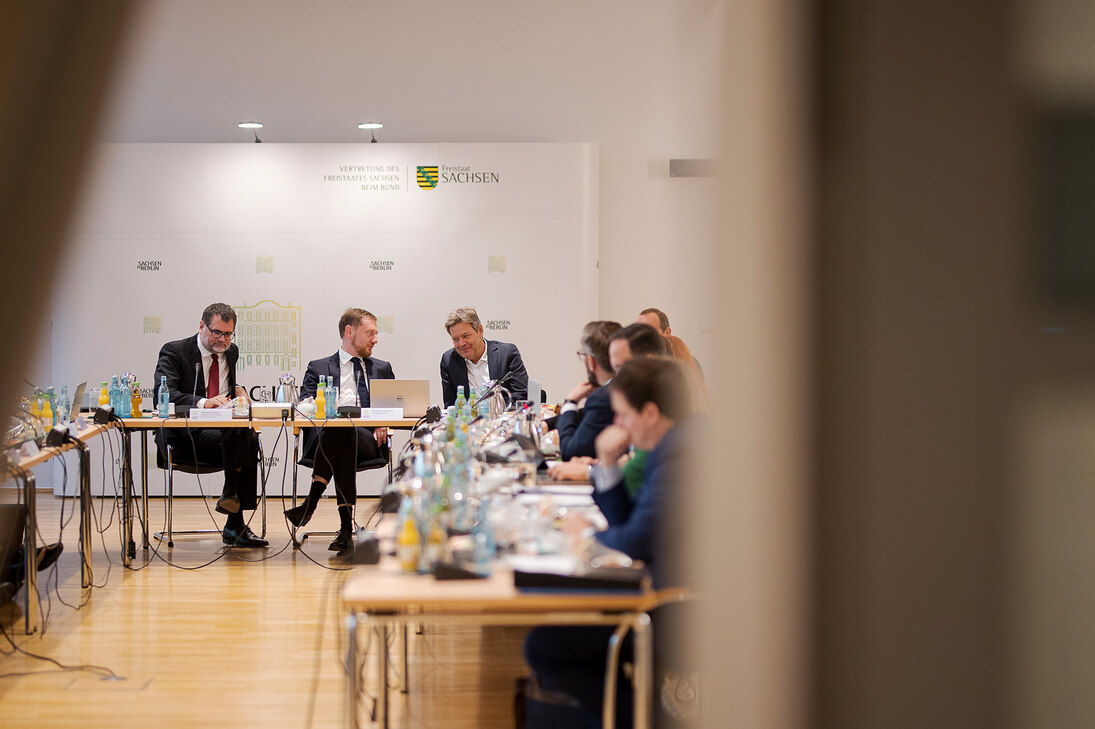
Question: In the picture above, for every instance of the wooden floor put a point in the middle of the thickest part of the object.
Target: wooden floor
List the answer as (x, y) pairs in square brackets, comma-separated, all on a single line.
[(253, 639)]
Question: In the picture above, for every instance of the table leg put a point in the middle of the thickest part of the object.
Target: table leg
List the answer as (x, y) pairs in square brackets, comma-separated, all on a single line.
[(353, 675), (382, 707), (129, 550), (144, 488), (85, 512), (30, 555), (296, 457), (406, 676), (644, 672)]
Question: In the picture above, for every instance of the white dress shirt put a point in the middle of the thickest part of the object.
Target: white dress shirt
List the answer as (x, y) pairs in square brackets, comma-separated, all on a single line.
[(222, 363), (478, 373), (347, 390)]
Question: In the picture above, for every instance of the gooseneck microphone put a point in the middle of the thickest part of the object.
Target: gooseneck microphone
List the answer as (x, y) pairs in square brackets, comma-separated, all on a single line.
[(197, 375)]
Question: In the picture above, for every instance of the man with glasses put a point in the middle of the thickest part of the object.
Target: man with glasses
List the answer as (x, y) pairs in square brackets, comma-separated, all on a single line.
[(201, 373), (579, 428)]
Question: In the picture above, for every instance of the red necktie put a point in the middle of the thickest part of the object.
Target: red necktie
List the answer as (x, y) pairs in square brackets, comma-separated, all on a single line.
[(214, 378)]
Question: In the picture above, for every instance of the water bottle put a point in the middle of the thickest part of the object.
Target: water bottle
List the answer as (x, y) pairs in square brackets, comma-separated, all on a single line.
[(460, 398), (163, 397), (65, 407), (114, 390), (125, 399), (51, 398), (332, 399), (483, 540)]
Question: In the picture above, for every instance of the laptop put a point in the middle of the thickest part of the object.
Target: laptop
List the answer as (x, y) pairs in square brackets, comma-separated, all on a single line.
[(77, 402), (535, 390), (411, 395)]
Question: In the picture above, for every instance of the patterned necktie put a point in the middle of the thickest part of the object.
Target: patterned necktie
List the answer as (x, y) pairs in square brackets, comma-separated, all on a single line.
[(362, 382), (214, 377)]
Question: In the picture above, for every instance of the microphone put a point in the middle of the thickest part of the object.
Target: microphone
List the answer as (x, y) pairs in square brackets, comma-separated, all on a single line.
[(492, 387), (197, 375), (357, 391)]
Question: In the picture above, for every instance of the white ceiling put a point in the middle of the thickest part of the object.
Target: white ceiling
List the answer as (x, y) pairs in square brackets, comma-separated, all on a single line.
[(602, 71)]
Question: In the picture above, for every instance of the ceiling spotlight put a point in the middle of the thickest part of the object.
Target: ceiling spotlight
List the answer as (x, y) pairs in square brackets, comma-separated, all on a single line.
[(252, 125), (373, 126)]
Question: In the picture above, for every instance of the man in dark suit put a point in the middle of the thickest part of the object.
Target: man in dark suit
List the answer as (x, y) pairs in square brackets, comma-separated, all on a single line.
[(476, 360), (652, 406), (201, 373), (579, 428), (336, 452)]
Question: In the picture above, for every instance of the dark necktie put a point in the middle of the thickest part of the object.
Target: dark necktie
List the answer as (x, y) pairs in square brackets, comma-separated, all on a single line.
[(362, 382), (214, 378)]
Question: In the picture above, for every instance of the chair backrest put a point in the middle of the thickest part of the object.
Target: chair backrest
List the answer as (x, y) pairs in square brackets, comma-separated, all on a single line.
[(183, 465)]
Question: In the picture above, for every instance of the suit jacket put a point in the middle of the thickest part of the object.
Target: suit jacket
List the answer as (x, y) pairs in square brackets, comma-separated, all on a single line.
[(645, 528), (375, 369), (578, 429), (502, 359), (180, 361)]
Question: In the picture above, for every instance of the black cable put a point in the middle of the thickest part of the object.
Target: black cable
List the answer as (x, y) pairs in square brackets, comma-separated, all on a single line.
[(102, 671)]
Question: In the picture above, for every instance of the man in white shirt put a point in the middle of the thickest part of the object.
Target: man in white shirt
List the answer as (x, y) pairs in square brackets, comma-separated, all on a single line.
[(336, 452), (476, 361)]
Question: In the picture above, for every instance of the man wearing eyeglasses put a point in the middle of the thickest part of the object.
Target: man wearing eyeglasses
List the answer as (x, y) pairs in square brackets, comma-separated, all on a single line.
[(579, 427), (201, 373)]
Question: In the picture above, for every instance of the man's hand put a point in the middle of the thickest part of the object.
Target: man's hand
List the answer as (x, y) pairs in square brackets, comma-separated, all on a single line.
[(612, 443), (574, 524), (576, 469), (580, 392), (216, 402), (240, 392), (381, 434)]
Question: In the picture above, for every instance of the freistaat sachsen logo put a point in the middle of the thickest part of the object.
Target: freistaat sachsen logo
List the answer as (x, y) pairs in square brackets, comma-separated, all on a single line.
[(427, 177)]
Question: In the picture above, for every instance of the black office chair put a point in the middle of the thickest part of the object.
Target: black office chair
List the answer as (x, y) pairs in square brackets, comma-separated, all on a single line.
[(367, 464), (170, 463)]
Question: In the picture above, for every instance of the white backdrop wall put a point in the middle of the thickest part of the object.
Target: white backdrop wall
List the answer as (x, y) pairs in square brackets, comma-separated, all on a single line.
[(291, 234)]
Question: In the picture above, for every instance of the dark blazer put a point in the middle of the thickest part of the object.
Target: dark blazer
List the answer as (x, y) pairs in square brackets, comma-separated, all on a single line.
[(502, 358), (180, 361), (643, 528), (375, 369), (578, 429)]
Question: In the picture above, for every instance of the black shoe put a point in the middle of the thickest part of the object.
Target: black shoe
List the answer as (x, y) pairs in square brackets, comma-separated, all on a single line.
[(48, 554), (228, 503), (342, 542), (242, 538), (300, 514)]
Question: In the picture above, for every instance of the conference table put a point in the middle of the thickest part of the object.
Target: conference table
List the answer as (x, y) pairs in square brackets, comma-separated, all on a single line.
[(20, 468), (386, 599), (150, 424)]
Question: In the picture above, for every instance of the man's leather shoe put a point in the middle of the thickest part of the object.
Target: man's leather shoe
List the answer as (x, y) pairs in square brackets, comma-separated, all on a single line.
[(242, 538), (300, 514), (228, 504), (342, 542)]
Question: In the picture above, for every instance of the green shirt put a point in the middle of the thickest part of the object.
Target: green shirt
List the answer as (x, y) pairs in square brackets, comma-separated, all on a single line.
[(633, 471)]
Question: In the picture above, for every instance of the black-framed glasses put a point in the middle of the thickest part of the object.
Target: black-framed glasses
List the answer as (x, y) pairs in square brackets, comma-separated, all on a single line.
[(581, 354), (218, 334)]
